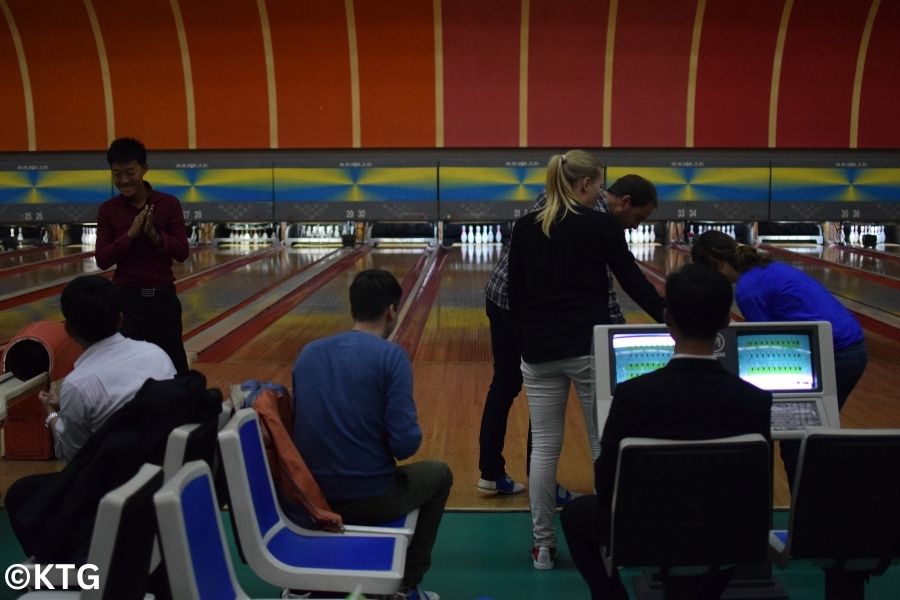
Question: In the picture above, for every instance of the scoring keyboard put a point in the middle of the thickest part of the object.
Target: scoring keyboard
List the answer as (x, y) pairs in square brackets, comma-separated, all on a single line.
[(793, 415)]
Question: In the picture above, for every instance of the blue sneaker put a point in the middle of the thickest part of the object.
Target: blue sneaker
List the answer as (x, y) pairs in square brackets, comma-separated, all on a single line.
[(504, 485), (564, 496)]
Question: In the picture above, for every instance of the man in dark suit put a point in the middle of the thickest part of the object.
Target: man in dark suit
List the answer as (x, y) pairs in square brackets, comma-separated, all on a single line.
[(693, 397)]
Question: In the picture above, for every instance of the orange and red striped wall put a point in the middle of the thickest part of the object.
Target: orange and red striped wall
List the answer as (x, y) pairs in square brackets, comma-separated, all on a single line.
[(199, 74)]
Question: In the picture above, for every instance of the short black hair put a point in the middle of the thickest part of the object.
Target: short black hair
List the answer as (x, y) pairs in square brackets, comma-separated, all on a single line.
[(91, 305), (698, 300), (126, 149), (642, 191), (372, 292)]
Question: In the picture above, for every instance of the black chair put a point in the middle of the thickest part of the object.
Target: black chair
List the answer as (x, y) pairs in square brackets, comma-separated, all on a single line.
[(845, 509), (690, 511), (122, 541)]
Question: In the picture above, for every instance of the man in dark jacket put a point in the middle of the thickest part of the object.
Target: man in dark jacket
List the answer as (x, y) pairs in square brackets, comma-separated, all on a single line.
[(693, 397)]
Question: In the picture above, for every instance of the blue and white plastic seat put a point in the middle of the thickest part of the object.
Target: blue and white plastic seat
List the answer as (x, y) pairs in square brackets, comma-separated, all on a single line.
[(285, 554)]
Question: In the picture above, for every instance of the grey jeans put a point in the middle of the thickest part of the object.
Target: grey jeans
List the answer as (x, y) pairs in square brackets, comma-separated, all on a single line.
[(424, 485)]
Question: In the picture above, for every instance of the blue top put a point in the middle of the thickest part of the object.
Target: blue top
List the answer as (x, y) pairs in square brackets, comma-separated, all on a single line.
[(779, 292), (354, 413)]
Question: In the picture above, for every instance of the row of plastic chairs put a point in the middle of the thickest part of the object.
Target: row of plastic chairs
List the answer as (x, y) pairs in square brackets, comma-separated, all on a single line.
[(686, 508), (361, 558)]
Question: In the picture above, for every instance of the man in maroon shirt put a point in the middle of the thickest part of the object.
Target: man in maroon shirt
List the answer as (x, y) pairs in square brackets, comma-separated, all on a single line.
[(141, 231)]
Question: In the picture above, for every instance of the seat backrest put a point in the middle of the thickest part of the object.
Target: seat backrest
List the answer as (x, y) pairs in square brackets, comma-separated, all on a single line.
[(250, 486), (691, 503), (194, 441), (846, 497), (123, 536), (193, 540)]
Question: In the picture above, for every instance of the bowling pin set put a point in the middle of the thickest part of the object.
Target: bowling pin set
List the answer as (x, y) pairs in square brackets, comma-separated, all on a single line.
[(696, 230), (480, 234), (642, 234), (857, 231), (248, 236), (324, 234)]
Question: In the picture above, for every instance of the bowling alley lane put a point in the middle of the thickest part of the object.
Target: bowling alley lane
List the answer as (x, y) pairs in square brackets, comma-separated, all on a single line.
[(207, 300), (47, 308), (878, 262), (271, 352), (457, 327), (46, 275), (29, 256)]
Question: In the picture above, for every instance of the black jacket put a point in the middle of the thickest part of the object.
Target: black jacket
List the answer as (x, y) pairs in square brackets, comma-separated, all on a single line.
[(59, 517)]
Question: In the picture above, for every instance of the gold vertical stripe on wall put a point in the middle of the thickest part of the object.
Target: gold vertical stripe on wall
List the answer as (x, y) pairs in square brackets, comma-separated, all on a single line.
[(523, 73), (858, 77), (608, 72), (776, 71), (104, 72), (188, 75), (354, 74), (23, 73), (438, 74), (692, 75), (270, 72)]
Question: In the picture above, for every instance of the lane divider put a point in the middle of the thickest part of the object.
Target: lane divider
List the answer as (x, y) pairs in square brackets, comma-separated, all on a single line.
[(222, 340), (409, 331), (257, 296)]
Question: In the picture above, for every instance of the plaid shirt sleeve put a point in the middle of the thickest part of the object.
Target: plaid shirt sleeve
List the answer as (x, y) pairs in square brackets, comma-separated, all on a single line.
[(497, 288)]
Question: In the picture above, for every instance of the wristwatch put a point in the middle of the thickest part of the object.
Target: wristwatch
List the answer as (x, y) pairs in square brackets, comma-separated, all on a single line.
[(49, 418)]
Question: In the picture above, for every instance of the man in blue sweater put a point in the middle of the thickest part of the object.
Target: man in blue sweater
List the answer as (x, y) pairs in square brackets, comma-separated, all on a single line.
[(355, 417)]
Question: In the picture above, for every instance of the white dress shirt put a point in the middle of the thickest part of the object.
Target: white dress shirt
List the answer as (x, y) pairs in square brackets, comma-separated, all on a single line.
[(105, 378)]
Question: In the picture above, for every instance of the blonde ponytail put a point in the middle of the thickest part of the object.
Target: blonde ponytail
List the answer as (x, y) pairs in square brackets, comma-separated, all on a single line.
[(562, 171)]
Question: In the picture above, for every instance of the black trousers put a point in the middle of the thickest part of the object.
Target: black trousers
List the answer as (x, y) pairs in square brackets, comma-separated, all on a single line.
[(505, 386), (155, 317), (17, 497)]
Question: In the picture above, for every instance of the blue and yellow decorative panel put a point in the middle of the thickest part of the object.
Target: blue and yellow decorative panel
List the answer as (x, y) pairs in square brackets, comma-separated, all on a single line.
[(213, 185), (700, 184), (355, 184), (467, 184), (55, 186), (835, 184)]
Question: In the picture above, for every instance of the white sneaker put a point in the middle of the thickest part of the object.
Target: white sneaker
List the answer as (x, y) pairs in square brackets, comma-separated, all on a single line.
[(288, 593), (544, 557)]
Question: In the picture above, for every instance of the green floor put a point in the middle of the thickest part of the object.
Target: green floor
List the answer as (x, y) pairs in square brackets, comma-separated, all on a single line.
[(481, 556)]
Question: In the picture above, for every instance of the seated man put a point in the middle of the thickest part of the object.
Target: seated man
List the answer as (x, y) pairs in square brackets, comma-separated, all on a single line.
[(691, 398), (105, 378), (109, 372), (354, 416)]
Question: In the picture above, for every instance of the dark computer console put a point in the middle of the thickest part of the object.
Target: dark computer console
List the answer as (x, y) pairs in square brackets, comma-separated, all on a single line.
[(793, 360)]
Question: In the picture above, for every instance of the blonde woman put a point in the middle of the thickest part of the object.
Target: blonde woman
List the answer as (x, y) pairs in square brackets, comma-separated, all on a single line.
[(558, 291)]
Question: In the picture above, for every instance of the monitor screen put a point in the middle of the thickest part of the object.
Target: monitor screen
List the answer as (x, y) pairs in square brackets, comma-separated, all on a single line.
[(778, 361), (634, 354)]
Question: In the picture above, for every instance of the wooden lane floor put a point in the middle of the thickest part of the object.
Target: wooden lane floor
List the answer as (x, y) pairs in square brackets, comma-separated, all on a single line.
[(52, 272), (204, 302), (270, 354), (47, 308), (32, 256)]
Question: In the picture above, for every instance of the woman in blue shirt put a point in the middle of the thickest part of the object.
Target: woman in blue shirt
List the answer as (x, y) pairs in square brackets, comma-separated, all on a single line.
[(767, 290)]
